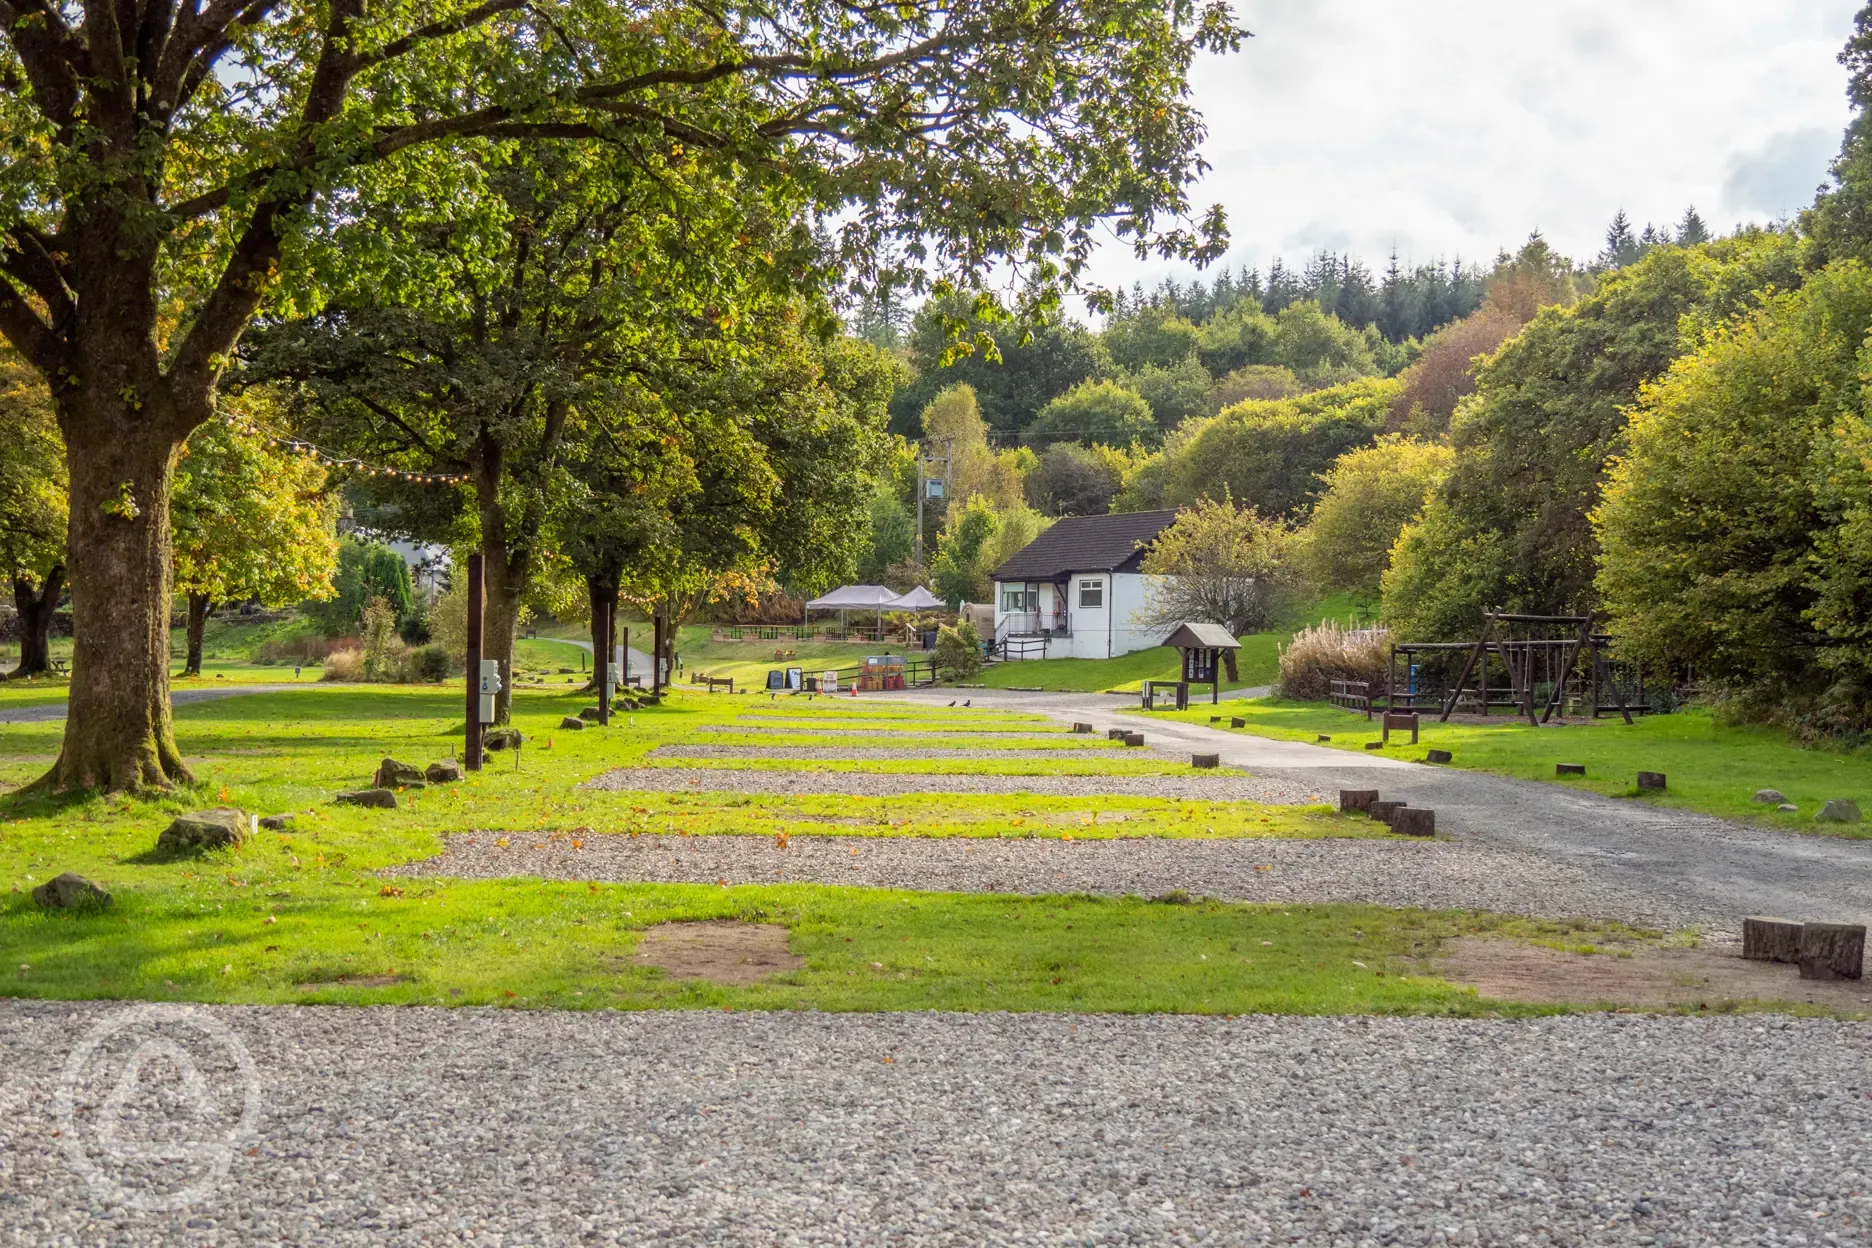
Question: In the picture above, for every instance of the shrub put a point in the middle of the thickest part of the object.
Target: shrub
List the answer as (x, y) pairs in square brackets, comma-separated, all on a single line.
[(302, 649), (347, 664), (958, 651), (428, 664), (1319, 655), (384, 651)]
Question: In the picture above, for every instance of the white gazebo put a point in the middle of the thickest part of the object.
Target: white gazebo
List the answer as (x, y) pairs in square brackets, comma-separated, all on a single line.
[(856, 597)]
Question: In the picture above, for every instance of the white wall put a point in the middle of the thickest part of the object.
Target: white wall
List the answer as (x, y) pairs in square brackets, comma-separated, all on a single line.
[(1097, 632)]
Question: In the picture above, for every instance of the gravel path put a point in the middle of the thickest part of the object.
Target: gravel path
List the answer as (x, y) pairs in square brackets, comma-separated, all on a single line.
[(1226, 788), (1689, 861), (406, 1126), (840, 732), (1433, 874), (888, 753)]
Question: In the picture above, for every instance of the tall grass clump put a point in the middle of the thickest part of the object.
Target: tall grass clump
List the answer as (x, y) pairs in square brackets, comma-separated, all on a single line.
[(1327, 652)]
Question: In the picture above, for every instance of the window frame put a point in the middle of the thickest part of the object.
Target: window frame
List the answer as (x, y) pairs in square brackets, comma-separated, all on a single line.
[(1097, 586)]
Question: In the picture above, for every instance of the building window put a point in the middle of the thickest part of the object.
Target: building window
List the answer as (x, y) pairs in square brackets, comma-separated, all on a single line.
[(1091, 593), (1013, 598)]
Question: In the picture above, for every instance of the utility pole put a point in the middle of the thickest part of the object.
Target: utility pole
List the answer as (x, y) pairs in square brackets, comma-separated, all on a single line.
[(471, 749), (924, 490)]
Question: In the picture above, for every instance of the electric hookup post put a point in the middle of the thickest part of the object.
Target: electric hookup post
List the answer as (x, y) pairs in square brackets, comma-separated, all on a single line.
[(490, 685)]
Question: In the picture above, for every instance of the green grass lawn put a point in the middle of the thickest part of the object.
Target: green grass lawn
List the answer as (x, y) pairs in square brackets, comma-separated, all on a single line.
[(1710, 767), (1257, 663), (293, 915)]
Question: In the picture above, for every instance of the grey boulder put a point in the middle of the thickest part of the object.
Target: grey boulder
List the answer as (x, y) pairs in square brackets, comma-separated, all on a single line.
[(377, 799), (276, 823), (502, 739), (444, 772), (392, 774), (70, 891), (571, 723), (1838, 810), (1769, 797), (221, 828)]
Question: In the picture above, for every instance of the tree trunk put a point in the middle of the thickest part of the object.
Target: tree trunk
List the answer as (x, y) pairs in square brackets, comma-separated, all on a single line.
[(35, 609), (118, 730), (1228, 665), (198, 605)]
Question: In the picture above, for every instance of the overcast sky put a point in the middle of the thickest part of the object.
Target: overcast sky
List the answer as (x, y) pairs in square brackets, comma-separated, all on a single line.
[(1454, 127)]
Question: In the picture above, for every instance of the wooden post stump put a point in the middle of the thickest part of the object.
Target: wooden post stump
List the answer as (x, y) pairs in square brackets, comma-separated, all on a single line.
[(1357, 799), (1832, 950), (1651, 780), (1238, 722), (1205, 760), (1413, 821), (1437, 756), (1569, 769), (1374, 745), (1767, 939), (1082, 728), (1115, 734), (1323, 737), (1382, 810), (1134, 738)]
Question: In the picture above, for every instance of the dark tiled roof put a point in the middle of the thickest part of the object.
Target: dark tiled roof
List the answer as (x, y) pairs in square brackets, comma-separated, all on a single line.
[(1085, 544)]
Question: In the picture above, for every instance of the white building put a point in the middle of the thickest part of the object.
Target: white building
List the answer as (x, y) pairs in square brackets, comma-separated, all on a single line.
[(1075, 592)]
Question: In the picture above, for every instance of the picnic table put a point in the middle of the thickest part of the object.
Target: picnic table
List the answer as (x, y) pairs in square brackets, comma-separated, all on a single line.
[(62, 666)]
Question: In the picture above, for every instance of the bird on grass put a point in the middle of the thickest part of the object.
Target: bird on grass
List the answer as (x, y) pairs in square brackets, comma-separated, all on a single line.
[(968, 702), (951, 701)]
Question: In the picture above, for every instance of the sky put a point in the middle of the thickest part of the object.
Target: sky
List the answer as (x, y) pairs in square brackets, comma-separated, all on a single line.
[(1453, 128)]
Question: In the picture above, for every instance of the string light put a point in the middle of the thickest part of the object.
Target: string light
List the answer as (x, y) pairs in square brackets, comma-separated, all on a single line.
[(301, 447)]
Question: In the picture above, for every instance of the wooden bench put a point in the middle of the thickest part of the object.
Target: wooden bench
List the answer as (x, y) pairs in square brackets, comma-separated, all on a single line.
[(713, 681), (1400, 720)]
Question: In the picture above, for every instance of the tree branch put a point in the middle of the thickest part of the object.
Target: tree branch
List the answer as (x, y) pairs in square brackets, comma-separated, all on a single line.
[(29, 334)]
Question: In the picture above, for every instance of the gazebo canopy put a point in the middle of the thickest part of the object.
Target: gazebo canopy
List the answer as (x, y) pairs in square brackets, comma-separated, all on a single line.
[(853, 597), (918, 599)]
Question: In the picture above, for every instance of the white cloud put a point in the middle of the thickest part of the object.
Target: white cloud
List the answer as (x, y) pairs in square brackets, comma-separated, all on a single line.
[(1454, 127)]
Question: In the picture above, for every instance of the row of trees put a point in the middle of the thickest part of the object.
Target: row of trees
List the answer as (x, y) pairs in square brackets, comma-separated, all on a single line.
[(580, 254)]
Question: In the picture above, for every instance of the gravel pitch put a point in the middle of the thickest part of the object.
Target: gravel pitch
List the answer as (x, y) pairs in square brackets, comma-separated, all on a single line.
[(508, 1127), (1431, 874), (886, 753), (1208, 788)]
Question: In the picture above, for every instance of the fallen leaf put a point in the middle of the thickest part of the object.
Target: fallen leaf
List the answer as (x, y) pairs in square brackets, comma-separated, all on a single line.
[(389, 890)]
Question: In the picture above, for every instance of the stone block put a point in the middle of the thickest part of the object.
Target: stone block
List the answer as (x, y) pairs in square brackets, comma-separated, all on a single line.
[(571, 723), (394, 775), (1205, 760), (70, 891), (1832, 950), (1413, 821), (375, 799), (221, 828), (1768, 939), (1357, 799), (1437, 756), (1838, 810), (1651, 780)]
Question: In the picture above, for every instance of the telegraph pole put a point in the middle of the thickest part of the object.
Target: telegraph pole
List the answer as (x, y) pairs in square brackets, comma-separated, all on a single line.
[(924, 482)]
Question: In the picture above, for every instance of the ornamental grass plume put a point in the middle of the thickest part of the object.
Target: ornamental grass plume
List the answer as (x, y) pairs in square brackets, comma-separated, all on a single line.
[(1326, 652)]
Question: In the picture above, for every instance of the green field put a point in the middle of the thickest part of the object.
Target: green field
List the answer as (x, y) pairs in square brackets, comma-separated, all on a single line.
[(295, 914), (1709, 766)]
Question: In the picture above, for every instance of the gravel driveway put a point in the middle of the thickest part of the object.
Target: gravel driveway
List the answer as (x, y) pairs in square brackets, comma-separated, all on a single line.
[(1192, 787), (408, 1126), (1433, 874), (891, 753)]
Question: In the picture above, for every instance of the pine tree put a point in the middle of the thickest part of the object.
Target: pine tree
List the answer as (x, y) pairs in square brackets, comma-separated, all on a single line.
[(1691, 230), (1621, 245)]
